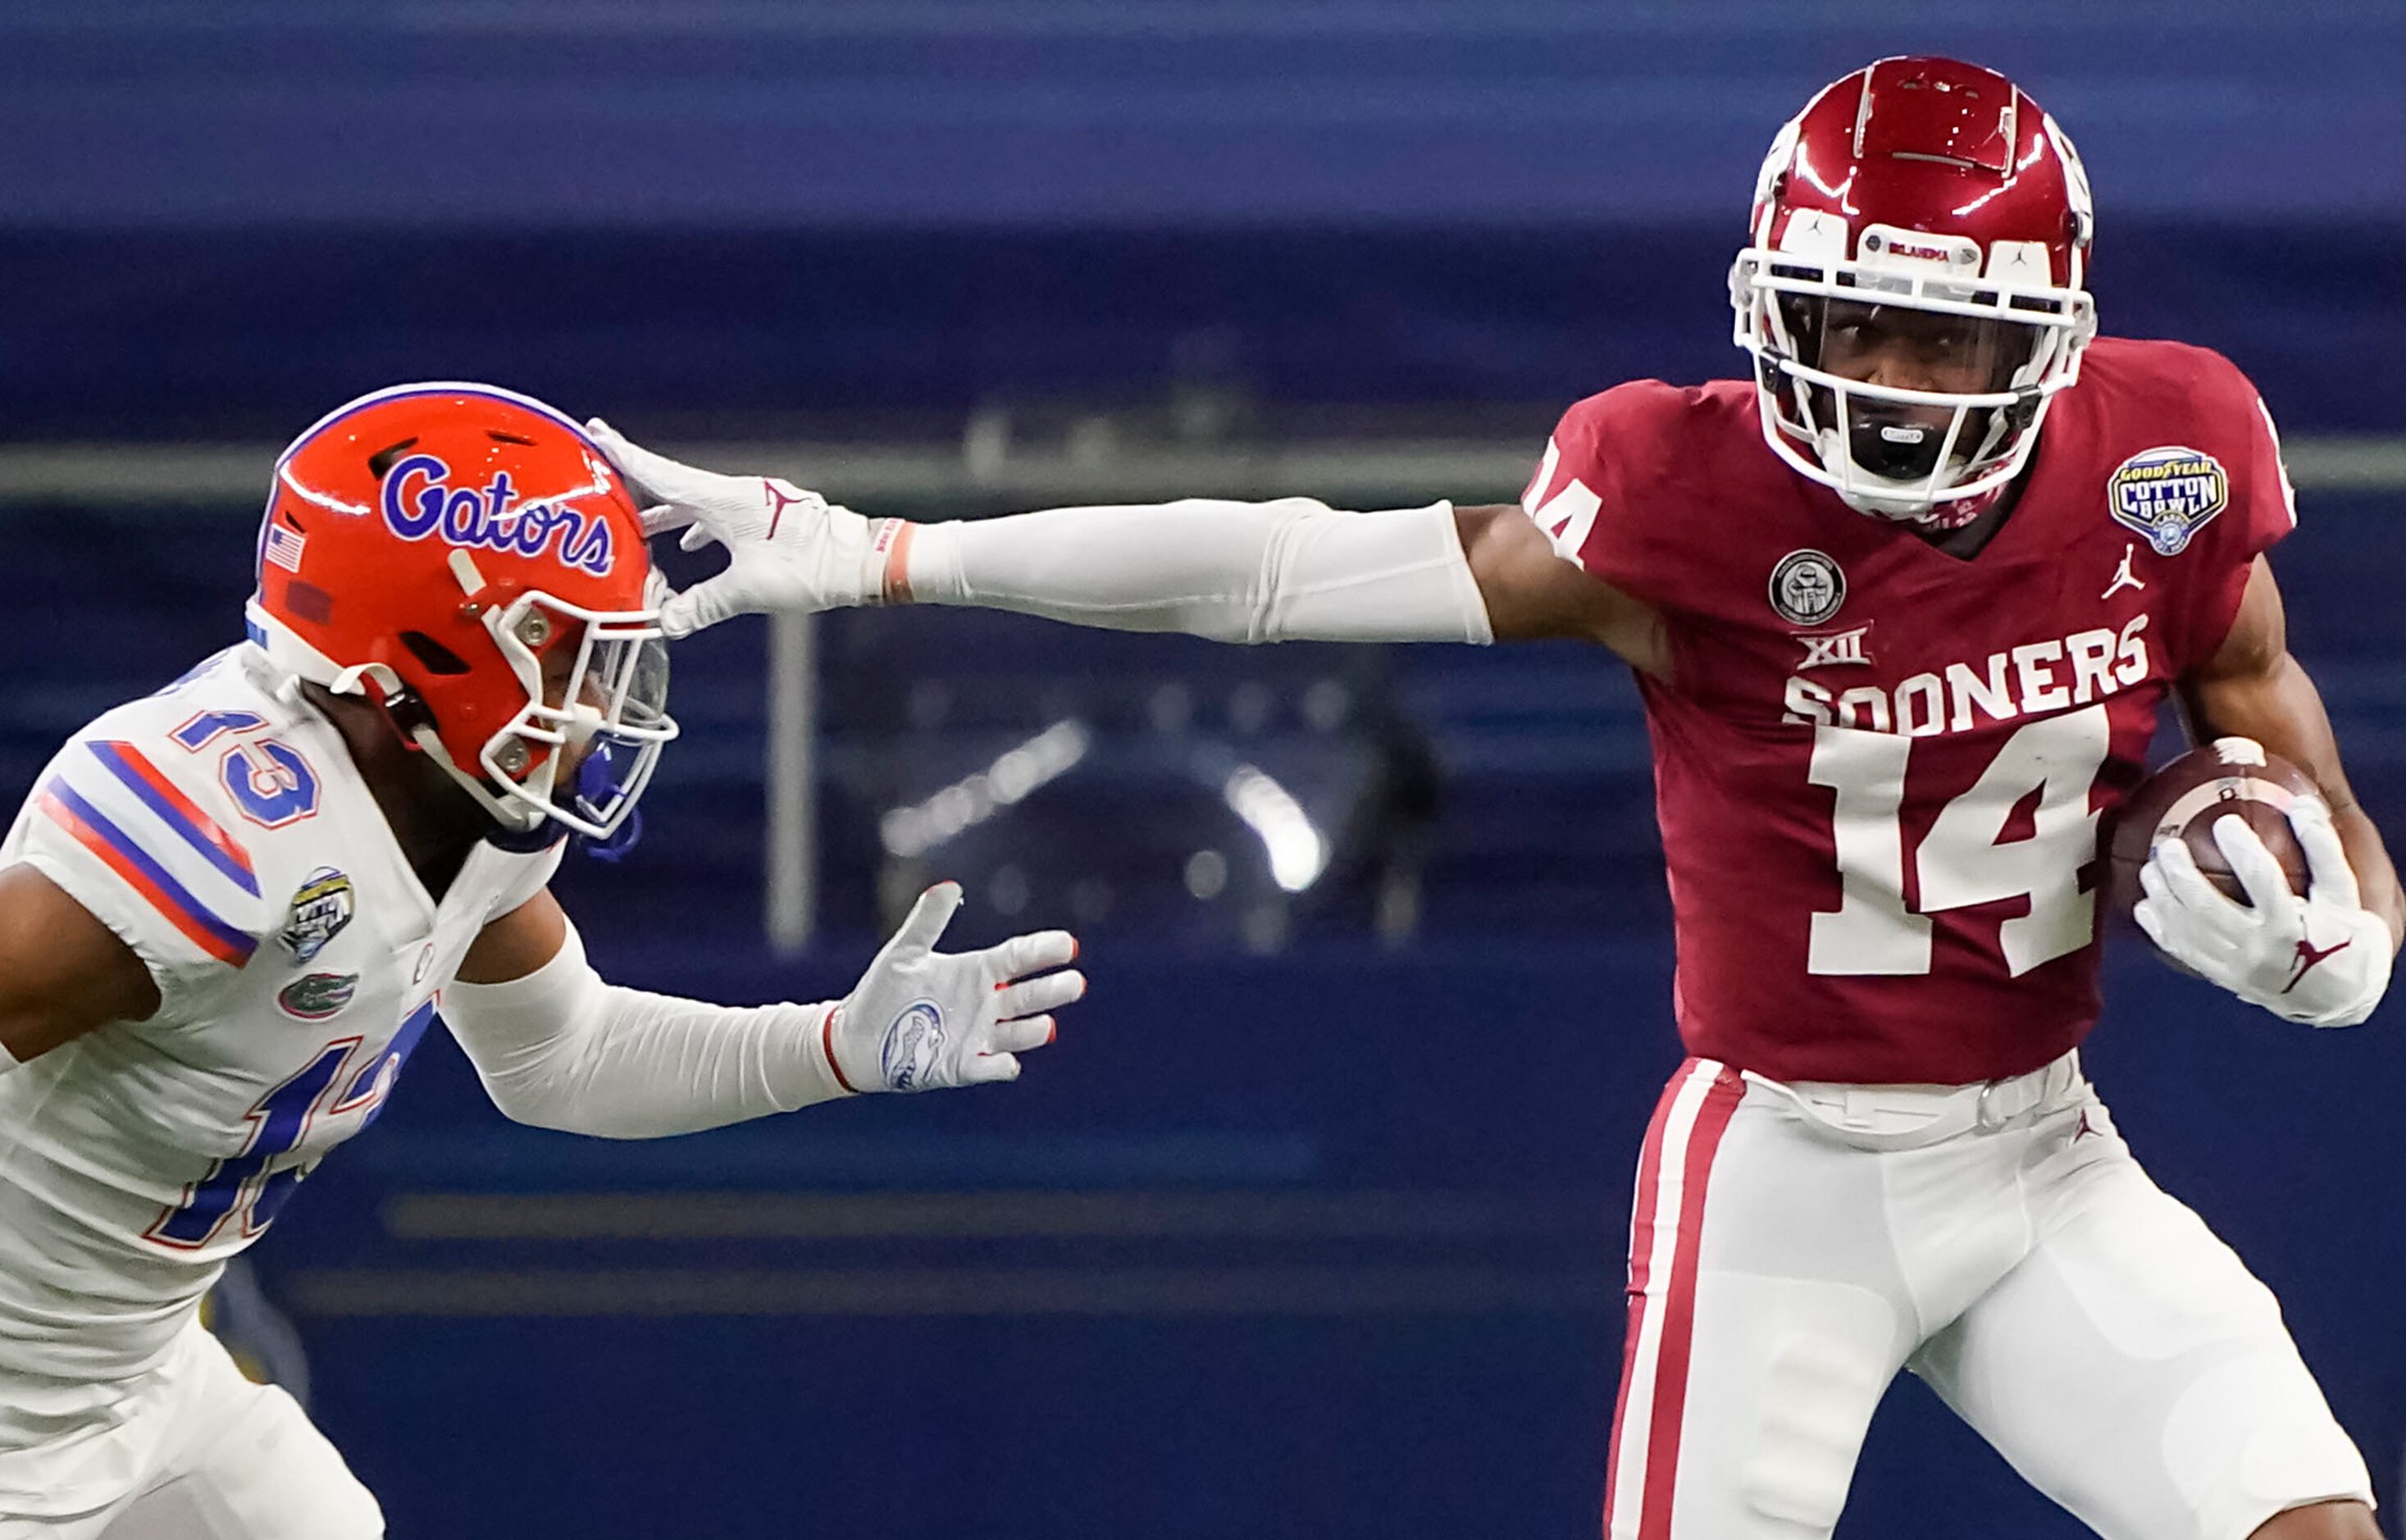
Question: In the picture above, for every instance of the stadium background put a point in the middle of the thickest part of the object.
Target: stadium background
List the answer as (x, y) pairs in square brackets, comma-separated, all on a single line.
[(1310, 1224)]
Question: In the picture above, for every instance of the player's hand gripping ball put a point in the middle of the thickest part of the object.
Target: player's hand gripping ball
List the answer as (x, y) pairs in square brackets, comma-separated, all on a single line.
[(2186, 799), (2241, 879)]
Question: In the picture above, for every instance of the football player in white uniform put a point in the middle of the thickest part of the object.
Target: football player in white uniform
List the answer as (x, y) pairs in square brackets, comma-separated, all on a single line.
[(229, 911)]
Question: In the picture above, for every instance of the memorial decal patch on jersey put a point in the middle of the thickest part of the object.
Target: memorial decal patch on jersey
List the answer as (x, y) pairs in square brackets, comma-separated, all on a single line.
[(321, 907), (2168, 494), (1807, 587)]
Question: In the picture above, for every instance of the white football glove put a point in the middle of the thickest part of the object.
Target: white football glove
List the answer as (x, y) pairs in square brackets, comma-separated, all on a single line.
[(923, 1020), (786, 549), (2323, 959)]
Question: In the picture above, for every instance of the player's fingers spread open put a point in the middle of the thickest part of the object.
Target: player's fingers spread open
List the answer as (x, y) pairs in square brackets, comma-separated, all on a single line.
[(924, 926), (1022, 1036), (2151, 883), (695, 538), (639, 466), (2174, 882), (2257, 869), (989, 1070), (2329, 873), (2182, 883), (662, 519), (1048, 993), (1033, 953), (684, 613)]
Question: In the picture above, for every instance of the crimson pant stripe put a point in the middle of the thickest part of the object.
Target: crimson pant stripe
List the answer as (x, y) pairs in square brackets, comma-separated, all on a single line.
[(1666, 1236), (1641, 1250)]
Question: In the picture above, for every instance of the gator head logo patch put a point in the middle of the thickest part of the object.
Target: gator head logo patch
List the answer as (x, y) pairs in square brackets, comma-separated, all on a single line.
[(2168, 494), (912, 1044), (315, 996)]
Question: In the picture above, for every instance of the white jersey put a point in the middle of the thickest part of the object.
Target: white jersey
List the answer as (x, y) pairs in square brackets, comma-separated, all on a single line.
[(221, 830)]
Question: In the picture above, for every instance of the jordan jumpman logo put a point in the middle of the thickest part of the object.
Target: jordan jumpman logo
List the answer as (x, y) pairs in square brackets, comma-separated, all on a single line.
[(2123, 576), (779, 501), (2308, 955)]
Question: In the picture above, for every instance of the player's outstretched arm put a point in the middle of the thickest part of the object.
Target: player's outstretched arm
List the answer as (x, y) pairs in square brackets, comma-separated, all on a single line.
[(1534, 595), (61, 971), (2323, 958), (1289, 569), (558, 1048)]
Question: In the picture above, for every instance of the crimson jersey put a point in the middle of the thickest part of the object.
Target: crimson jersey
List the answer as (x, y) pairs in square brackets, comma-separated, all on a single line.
[(1880, 770)]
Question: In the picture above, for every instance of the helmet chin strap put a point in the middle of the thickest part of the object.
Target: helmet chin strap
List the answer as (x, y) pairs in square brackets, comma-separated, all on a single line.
[(514, 816), (384, 688), (356, 679)]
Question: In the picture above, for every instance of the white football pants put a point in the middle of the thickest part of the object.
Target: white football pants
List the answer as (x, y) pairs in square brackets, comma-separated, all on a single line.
[(191, 1450), (1792, 1247)]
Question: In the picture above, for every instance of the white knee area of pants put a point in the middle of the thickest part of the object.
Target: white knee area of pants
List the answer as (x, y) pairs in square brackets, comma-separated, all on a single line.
[(183, 1509), (2247, 1433), (1827, 1362), (197, 1508), (2252, 1437), (2157, 1283), (253, 1466), (275, 1476)]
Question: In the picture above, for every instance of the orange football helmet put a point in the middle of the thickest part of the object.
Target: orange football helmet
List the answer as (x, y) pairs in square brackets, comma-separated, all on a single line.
[(469, 559)]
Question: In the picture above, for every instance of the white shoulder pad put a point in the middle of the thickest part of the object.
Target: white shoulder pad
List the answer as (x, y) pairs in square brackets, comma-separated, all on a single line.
[(150, 818)]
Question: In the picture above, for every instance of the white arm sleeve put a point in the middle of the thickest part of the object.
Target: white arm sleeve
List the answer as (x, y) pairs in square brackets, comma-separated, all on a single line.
[(1294, 570), (560, 1049)]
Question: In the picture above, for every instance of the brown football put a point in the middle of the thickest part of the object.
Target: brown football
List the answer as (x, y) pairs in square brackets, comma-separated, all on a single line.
[(2228, 778)]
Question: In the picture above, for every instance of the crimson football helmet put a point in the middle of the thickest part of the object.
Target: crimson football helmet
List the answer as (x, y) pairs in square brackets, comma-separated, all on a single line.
[(471, 561), (1936, 187)]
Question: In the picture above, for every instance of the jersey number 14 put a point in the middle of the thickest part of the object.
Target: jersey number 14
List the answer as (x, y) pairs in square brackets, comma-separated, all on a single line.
[(1964, 859)]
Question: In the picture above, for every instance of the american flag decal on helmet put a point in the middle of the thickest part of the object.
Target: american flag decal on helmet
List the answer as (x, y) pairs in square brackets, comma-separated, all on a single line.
[(284, 546)]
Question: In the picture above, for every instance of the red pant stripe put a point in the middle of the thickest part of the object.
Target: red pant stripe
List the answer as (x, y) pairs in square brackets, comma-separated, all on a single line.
[(1641, 1256), (1666, 1234)]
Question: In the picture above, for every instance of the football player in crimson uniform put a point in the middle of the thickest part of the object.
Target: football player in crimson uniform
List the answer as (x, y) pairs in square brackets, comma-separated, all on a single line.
[(230, 910), (1902, 606)]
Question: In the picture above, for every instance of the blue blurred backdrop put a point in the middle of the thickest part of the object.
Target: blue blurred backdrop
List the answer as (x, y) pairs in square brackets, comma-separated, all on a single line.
[(1310, 1225)]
